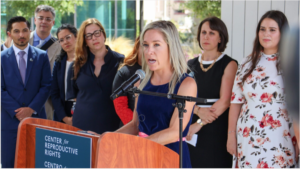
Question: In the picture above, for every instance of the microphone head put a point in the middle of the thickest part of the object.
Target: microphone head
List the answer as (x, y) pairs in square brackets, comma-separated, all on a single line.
[(141, 73)]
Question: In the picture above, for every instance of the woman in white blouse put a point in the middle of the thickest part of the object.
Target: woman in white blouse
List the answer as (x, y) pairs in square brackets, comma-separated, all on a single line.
[(260, 132)]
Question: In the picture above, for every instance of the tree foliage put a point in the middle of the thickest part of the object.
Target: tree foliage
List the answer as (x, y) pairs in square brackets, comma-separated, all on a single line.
[(26, 8), (203, 9)]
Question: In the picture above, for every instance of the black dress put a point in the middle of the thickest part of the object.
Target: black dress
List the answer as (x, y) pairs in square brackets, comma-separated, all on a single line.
[(94, 109), (210, 150)]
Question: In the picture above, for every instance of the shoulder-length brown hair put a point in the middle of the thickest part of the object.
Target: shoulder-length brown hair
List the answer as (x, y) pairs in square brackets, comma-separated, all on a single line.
[(132, 58), (282, 22), (215, 24), (81, 50)]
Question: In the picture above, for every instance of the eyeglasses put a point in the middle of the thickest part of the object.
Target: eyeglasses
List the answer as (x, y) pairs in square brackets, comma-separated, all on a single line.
[(89, 36), (40, 18), (68, 37)]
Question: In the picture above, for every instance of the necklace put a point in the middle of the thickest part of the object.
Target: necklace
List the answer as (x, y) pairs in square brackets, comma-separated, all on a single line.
[(206, 69)]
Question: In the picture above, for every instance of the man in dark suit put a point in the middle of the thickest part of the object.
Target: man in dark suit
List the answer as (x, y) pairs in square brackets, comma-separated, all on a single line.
[(25, 85)]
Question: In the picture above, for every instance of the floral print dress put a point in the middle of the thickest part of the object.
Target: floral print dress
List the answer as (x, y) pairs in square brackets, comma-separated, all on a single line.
[(265, 135)]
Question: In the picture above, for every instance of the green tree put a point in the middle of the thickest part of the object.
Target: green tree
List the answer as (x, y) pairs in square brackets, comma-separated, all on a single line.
[(26, 8), (203, 9)]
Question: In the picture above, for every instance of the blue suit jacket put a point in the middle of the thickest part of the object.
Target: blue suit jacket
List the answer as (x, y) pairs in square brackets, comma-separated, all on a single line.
[(15, 94), (58, 89)]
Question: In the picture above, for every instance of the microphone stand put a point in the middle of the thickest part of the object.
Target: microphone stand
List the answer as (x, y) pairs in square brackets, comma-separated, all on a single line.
[(180, 104)]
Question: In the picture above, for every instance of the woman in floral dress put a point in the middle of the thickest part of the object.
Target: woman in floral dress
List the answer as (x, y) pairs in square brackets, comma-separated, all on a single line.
[(260, 132)]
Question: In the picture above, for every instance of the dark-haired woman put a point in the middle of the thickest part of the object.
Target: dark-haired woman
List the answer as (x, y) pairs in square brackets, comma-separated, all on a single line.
[(260, 131), (66, 35), (124, 104), (214, 73)]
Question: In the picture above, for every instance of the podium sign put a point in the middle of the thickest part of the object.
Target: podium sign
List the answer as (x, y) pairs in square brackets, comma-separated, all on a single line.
[(60, 150)]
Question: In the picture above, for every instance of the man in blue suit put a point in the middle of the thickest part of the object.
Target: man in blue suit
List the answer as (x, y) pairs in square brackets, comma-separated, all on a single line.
[(25, 85)]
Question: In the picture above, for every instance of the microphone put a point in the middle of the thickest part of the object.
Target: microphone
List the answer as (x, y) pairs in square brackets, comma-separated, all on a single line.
[(139, 74)]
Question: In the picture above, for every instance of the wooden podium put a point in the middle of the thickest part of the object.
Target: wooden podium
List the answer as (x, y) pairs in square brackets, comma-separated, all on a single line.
[(114, 150)]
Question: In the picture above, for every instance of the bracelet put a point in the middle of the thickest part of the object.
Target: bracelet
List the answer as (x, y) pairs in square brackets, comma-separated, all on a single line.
[(232, 131), (199, 121)]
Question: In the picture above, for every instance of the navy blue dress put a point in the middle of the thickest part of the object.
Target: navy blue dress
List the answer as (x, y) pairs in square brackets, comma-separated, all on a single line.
[(155, 114), (94, 110)]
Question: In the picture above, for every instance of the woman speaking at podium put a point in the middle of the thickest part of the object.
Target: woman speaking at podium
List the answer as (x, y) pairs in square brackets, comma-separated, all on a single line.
[(164, 63)]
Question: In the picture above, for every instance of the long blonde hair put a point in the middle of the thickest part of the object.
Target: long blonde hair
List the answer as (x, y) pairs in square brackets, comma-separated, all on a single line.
[(80, 47), (176, 53)]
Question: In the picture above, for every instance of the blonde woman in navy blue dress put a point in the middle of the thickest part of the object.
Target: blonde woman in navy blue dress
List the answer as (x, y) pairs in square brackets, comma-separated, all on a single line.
[(164, 63)]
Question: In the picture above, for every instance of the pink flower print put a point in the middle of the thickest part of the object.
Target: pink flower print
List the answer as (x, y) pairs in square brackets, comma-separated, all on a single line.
[(266, 97), (232, 96), (272, 58), (280, 160), (249, 79), (246, 132), (240, 154), (250, 94), (291, 162), (262, 75), (266, 121), (260, 141), (247, 163), (275, 124), (262, 165), (286, 134)]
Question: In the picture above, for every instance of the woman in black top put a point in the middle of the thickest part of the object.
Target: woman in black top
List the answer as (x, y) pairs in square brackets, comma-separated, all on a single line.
[(92, 75), (214, 73), (124, 104), (67, 35)]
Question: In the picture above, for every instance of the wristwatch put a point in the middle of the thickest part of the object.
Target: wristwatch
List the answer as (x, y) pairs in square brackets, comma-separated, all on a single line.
[(199, 121)]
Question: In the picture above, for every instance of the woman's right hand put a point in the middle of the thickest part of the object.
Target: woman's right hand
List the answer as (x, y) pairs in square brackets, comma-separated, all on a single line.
[(194, 128), (206, 114), (232, 144)]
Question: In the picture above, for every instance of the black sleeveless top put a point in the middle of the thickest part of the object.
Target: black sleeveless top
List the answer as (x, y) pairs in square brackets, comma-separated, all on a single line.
[(210, 150)]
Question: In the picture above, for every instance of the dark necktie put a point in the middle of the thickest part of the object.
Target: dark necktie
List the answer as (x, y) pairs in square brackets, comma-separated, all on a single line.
[(22, 65)]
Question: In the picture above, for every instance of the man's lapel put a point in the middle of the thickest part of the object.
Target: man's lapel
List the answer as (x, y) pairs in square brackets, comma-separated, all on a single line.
[(30, 61), (14, 64)]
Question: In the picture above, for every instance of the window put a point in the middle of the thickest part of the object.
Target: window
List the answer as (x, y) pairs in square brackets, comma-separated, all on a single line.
[(178, 11)]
